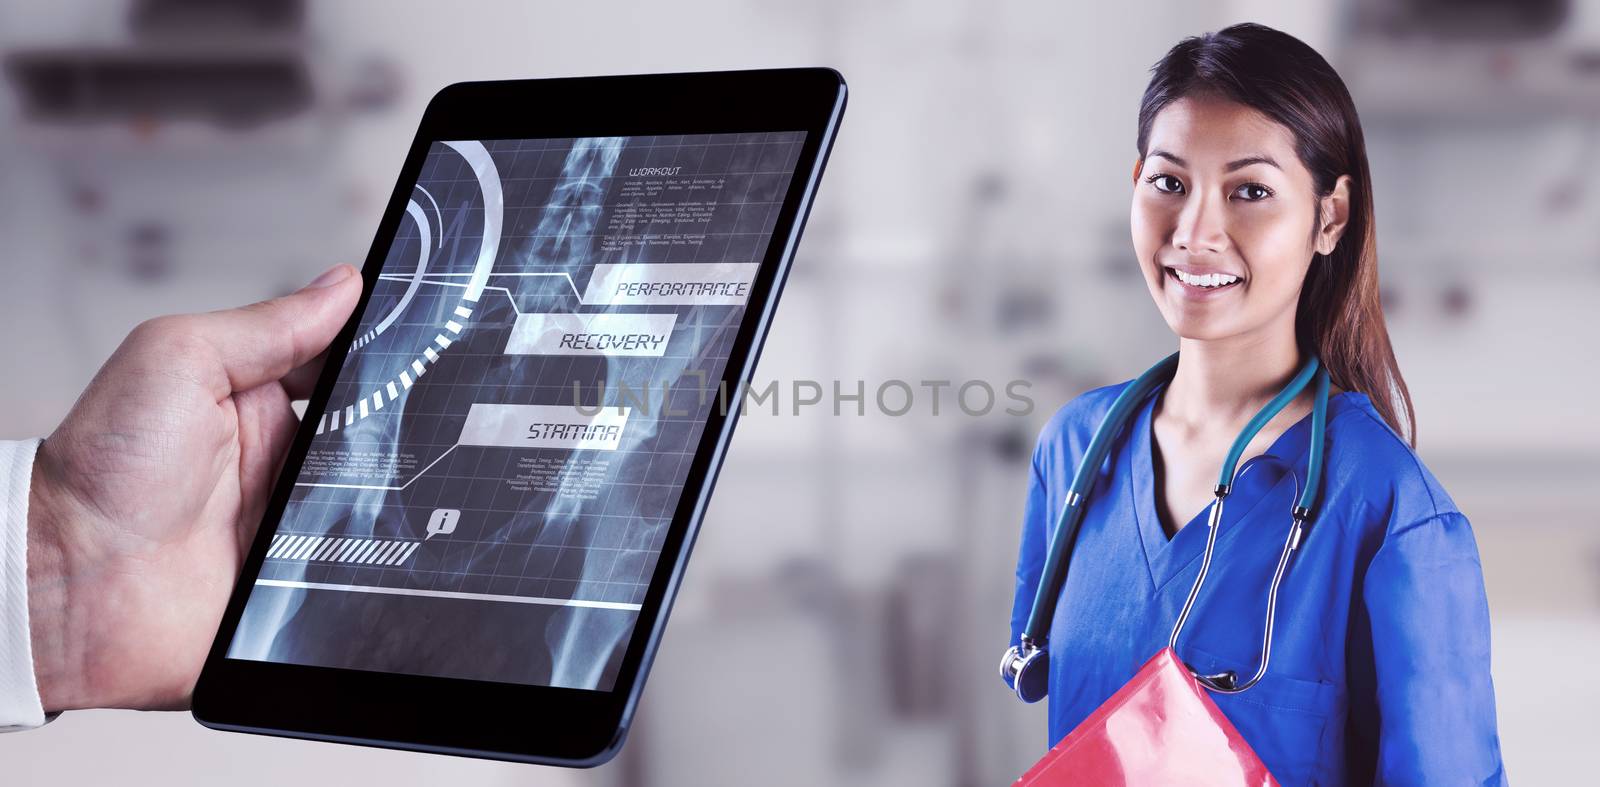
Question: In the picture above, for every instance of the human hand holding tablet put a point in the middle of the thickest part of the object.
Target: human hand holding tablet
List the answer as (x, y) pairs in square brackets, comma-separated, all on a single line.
[(142, 503), (492, 498)]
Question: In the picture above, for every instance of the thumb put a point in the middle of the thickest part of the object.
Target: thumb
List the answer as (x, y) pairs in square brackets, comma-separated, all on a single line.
[(262, 342)]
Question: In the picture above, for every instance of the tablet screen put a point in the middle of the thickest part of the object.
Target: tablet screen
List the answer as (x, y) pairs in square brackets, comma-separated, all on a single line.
[(489, 487)]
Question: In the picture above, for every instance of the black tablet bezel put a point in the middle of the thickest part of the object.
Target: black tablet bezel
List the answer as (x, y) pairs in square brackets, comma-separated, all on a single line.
[(502, 720)]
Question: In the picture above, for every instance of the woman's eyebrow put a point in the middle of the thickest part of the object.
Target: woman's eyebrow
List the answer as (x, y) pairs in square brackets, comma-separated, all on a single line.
[(1248, 160), (1232, 165), (1159, 153)]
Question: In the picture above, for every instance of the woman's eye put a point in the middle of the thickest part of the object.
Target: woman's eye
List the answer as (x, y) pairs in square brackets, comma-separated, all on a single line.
[(1252, 192), (1167, 184)]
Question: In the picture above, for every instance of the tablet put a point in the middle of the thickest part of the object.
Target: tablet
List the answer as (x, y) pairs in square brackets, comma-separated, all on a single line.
[(480, 527)]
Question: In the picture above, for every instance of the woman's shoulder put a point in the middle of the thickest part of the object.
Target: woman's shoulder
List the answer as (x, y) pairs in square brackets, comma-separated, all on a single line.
[(1069, 430), (1366, 456)]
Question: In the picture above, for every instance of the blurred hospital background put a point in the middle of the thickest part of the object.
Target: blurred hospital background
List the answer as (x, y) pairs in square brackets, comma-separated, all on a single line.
[(850, 593)]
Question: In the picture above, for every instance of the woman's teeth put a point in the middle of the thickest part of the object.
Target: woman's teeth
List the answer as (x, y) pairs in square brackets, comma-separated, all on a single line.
[(1207, 280)]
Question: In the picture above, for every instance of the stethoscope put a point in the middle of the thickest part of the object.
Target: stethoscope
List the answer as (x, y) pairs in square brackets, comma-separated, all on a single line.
[(1025, 666)]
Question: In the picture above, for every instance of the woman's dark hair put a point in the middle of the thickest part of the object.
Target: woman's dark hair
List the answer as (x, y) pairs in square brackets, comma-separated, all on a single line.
[(1340, 315)]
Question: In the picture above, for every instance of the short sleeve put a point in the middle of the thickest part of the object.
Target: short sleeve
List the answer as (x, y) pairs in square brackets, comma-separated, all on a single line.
[(1429, 613)]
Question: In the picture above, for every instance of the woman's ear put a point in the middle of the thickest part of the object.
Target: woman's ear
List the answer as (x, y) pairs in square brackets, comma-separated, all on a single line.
[(1334, 216), (1138, 165)]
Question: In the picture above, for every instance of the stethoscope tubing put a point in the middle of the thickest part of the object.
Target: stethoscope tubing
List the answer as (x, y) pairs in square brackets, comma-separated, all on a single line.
[(1226, 682), (1059, 555), (1034, 641)]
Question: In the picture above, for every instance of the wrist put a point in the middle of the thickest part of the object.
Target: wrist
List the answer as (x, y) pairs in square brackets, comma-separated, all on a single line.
[(56, 628)]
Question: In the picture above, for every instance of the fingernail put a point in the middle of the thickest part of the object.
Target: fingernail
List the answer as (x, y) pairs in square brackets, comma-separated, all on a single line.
[(330, 277)]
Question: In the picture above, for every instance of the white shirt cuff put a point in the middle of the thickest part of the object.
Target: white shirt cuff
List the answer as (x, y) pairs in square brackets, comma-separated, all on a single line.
[(19, 691)]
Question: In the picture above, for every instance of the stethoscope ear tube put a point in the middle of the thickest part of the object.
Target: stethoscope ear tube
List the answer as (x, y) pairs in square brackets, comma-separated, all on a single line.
[(1318, 447), (1227, 682), (1269, 411)]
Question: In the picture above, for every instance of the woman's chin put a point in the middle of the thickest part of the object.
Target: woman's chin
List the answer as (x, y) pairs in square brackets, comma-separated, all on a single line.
[(1201, 330)]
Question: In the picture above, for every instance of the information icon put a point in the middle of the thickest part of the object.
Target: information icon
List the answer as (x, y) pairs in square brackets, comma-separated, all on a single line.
[(443, 521)]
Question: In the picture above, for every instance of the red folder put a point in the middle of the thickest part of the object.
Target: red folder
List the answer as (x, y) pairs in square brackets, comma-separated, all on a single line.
[(1159, 729)]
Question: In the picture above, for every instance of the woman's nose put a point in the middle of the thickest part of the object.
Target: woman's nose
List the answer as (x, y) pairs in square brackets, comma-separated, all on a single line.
[(1201, 226)]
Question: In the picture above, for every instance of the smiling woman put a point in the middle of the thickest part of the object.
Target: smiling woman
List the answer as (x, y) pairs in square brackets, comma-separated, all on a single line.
[(1251, 222)]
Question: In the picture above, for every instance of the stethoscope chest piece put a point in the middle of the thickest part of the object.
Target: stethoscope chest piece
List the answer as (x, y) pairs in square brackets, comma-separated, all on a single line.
[(1026, 669)]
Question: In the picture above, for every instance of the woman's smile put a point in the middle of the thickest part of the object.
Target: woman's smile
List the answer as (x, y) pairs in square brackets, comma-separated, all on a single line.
[(1200, 283)]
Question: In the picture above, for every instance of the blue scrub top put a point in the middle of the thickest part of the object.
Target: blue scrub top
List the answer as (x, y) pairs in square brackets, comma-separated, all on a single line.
[(1380, 652)]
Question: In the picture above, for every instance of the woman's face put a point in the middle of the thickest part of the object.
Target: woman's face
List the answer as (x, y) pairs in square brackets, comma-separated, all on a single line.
[(1223, 219)]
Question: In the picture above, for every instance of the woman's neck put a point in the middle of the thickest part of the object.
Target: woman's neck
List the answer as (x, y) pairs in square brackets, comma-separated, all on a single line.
[(1225, 381)]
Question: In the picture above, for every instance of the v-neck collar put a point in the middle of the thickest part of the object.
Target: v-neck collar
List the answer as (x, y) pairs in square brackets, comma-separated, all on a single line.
[(1257, 480)]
